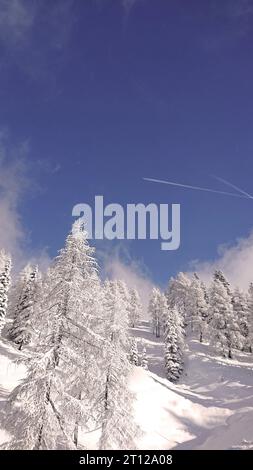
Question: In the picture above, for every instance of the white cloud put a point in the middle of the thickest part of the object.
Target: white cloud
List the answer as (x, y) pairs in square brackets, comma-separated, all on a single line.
[(14, 184), (235, 261)]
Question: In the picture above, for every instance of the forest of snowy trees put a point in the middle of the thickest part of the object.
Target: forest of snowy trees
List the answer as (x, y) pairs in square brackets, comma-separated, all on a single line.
[(75, 333), (215, 314)]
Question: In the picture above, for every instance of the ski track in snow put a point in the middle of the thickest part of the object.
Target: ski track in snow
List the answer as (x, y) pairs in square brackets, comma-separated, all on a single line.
[(210, 408)]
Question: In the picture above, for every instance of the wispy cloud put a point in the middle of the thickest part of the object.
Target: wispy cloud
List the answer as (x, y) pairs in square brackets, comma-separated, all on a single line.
[(31, 30), (14, 185), (235, 261), (16, 20)]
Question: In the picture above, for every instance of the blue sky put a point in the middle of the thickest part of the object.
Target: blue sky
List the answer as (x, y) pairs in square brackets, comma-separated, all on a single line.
[(102, 93)]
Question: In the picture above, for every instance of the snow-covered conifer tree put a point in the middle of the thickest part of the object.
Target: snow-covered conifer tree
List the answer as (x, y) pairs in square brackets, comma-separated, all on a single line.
[(174, 345), (5, 268), (154, 312), (222, 278), (134, 355), (21, 331), (134, 308), (118, 427), (240, 307), (163, 309), (144, 359), (177, 292), (16, 290), (250, 317), (63, 379), (225, 331), (197, 308), (158, 311)]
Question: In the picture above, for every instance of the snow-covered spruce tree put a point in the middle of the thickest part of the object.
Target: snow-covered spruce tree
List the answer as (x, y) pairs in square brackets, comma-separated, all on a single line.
[(163, 309), (177, 292), (224, 328), (197, 308), (250, 318), (174, 345), (5, 268), (206, 295), (134, 355), (16, 291), (158, 311), (144, 359), (222, 278), (22, 330), (118, 428), (154, 312), (240, 307), (63, 380), (134, 308)]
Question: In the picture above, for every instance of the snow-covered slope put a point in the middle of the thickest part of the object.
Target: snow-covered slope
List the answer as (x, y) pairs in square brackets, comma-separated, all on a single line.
[(11, 374), (211, 407)]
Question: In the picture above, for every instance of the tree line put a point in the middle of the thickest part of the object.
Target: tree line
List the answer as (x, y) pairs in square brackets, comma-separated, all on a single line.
[(215, 314)]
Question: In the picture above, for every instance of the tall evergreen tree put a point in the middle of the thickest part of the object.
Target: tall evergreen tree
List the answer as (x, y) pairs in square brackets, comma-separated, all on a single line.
[(154, 312), (225, 331), (5, 268), (174, 345), (118, 427), (63, 379), (178, 292), (250, 317), (163, 309), (134, 308), (197, 308), (22, 329), (240, 307), (16, 291), (219, 275), (134, 355), (144, 359)]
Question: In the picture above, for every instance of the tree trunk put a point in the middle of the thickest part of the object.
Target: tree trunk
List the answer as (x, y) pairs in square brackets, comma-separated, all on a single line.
[(77, 425), (39, 440)]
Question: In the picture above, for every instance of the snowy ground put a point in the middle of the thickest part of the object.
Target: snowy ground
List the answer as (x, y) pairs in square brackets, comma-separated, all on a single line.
[(211, 407)]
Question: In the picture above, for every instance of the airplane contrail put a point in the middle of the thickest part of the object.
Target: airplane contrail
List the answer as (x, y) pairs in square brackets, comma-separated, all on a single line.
[(199, 188), (222, 180)]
